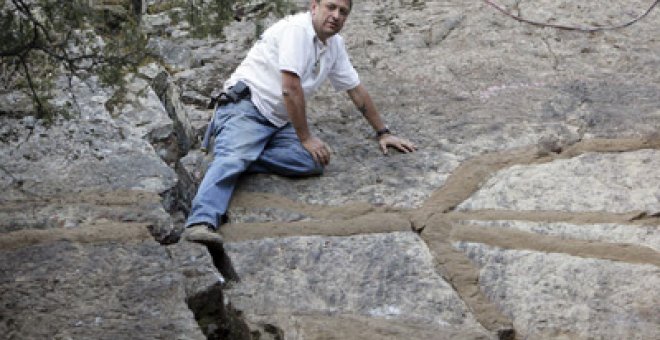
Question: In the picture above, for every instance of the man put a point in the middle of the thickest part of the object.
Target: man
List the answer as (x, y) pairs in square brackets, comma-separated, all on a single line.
[(262, 125)]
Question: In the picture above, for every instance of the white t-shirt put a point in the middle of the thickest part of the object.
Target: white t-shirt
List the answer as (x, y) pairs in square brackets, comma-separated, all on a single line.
[(291, 45)]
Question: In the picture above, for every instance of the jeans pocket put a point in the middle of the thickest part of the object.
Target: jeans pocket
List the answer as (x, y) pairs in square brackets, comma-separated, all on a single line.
[(222, 115)]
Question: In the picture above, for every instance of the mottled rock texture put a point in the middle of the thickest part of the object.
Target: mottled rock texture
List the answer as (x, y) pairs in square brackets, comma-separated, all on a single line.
[(72, 290), (530, 211), (554, 295), (381, 275), (612, 182)]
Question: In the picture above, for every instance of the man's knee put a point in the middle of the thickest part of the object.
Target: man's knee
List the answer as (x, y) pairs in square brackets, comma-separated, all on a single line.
[(315, 170), (308, 165), (301, 169)]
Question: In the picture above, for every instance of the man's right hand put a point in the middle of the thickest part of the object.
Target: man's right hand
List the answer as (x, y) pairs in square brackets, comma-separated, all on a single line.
[(318, 149)]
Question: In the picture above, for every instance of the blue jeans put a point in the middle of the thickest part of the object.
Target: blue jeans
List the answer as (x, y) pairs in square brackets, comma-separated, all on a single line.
[(245, 141)]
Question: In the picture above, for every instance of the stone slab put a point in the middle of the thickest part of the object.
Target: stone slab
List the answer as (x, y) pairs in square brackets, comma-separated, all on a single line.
[(610, 182), (356, 327), (363, 174), (66, 290), (59, 174), (551, 295), (382, 276)]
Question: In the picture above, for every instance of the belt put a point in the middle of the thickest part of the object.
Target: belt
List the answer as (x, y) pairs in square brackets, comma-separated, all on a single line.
[(234, 94)]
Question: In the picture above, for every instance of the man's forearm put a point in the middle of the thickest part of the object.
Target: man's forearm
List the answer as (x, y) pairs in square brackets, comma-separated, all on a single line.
[(294, 100), (366, 106)]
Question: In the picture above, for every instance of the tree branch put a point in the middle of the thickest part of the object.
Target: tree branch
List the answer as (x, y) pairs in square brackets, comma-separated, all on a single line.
[(566, 27), (40, 108)]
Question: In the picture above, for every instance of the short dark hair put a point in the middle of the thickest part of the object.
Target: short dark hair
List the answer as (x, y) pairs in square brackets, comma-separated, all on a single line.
[(350, 3)]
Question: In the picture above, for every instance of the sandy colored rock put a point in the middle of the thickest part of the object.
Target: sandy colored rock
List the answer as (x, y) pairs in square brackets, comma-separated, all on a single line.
[(640, 235)]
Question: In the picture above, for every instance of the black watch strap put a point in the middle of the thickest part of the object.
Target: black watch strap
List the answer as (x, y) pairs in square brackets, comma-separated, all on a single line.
[(383, 131)]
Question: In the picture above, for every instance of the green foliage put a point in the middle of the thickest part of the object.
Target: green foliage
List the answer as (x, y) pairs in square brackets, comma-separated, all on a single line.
[(209, 17), (42, 39), (278, 7)]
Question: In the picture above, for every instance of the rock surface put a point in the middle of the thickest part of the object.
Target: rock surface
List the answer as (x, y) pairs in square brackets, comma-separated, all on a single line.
[(557, 295), (71, 290), (387, 276), (530, 211), (615, 183)]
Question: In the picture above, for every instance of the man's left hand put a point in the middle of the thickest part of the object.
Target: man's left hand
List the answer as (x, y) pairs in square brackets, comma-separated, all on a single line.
[(400, 144)]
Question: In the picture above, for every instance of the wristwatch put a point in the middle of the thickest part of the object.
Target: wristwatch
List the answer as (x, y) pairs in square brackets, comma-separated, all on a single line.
[(383, 131)]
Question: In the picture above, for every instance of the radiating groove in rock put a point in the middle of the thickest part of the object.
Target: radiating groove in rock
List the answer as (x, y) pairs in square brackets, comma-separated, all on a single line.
[(459, 271), (632, 218), (639, 235), (366, 224), (97, 233), (468, 178), (519, 240)]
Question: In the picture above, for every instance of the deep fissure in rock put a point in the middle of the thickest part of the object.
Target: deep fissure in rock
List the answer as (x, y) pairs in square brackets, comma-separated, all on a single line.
[(215, 319), (222, 262)]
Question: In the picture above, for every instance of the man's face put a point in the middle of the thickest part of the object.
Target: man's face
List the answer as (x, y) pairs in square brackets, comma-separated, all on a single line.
[(328, 17)]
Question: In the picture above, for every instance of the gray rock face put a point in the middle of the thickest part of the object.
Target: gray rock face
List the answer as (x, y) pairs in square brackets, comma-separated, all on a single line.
[(377, 181), (120, 142), (590, 182), (534, 190), (142, 112), (79, 150), (555, 295), (585, 279), (387, 276), (489, 77), (66, 290)]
